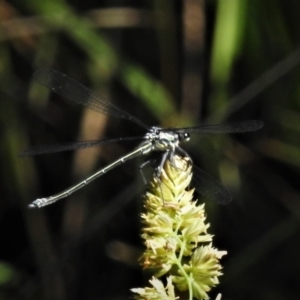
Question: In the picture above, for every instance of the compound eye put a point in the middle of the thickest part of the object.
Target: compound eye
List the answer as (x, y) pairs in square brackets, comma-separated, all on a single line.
[(185, 137)]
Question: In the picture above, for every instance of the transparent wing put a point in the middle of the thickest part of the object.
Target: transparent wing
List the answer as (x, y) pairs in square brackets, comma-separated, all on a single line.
[(233, 127), (74, 91), (209, 187), (54, 148)]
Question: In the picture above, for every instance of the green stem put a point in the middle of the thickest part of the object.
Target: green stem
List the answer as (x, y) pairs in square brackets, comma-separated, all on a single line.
[(178, 262)]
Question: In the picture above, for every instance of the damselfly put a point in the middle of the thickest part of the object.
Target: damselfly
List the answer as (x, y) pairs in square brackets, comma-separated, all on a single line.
[(156, 139)]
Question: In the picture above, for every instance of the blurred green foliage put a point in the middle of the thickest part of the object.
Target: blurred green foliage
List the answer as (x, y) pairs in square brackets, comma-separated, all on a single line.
[(86, 247)]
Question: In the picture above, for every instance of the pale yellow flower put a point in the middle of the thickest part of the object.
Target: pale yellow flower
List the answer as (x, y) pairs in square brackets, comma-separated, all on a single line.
[(175, 236), (157, 291)]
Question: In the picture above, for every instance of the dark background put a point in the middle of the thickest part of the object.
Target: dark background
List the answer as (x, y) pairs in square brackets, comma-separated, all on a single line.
[(169, 63)]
